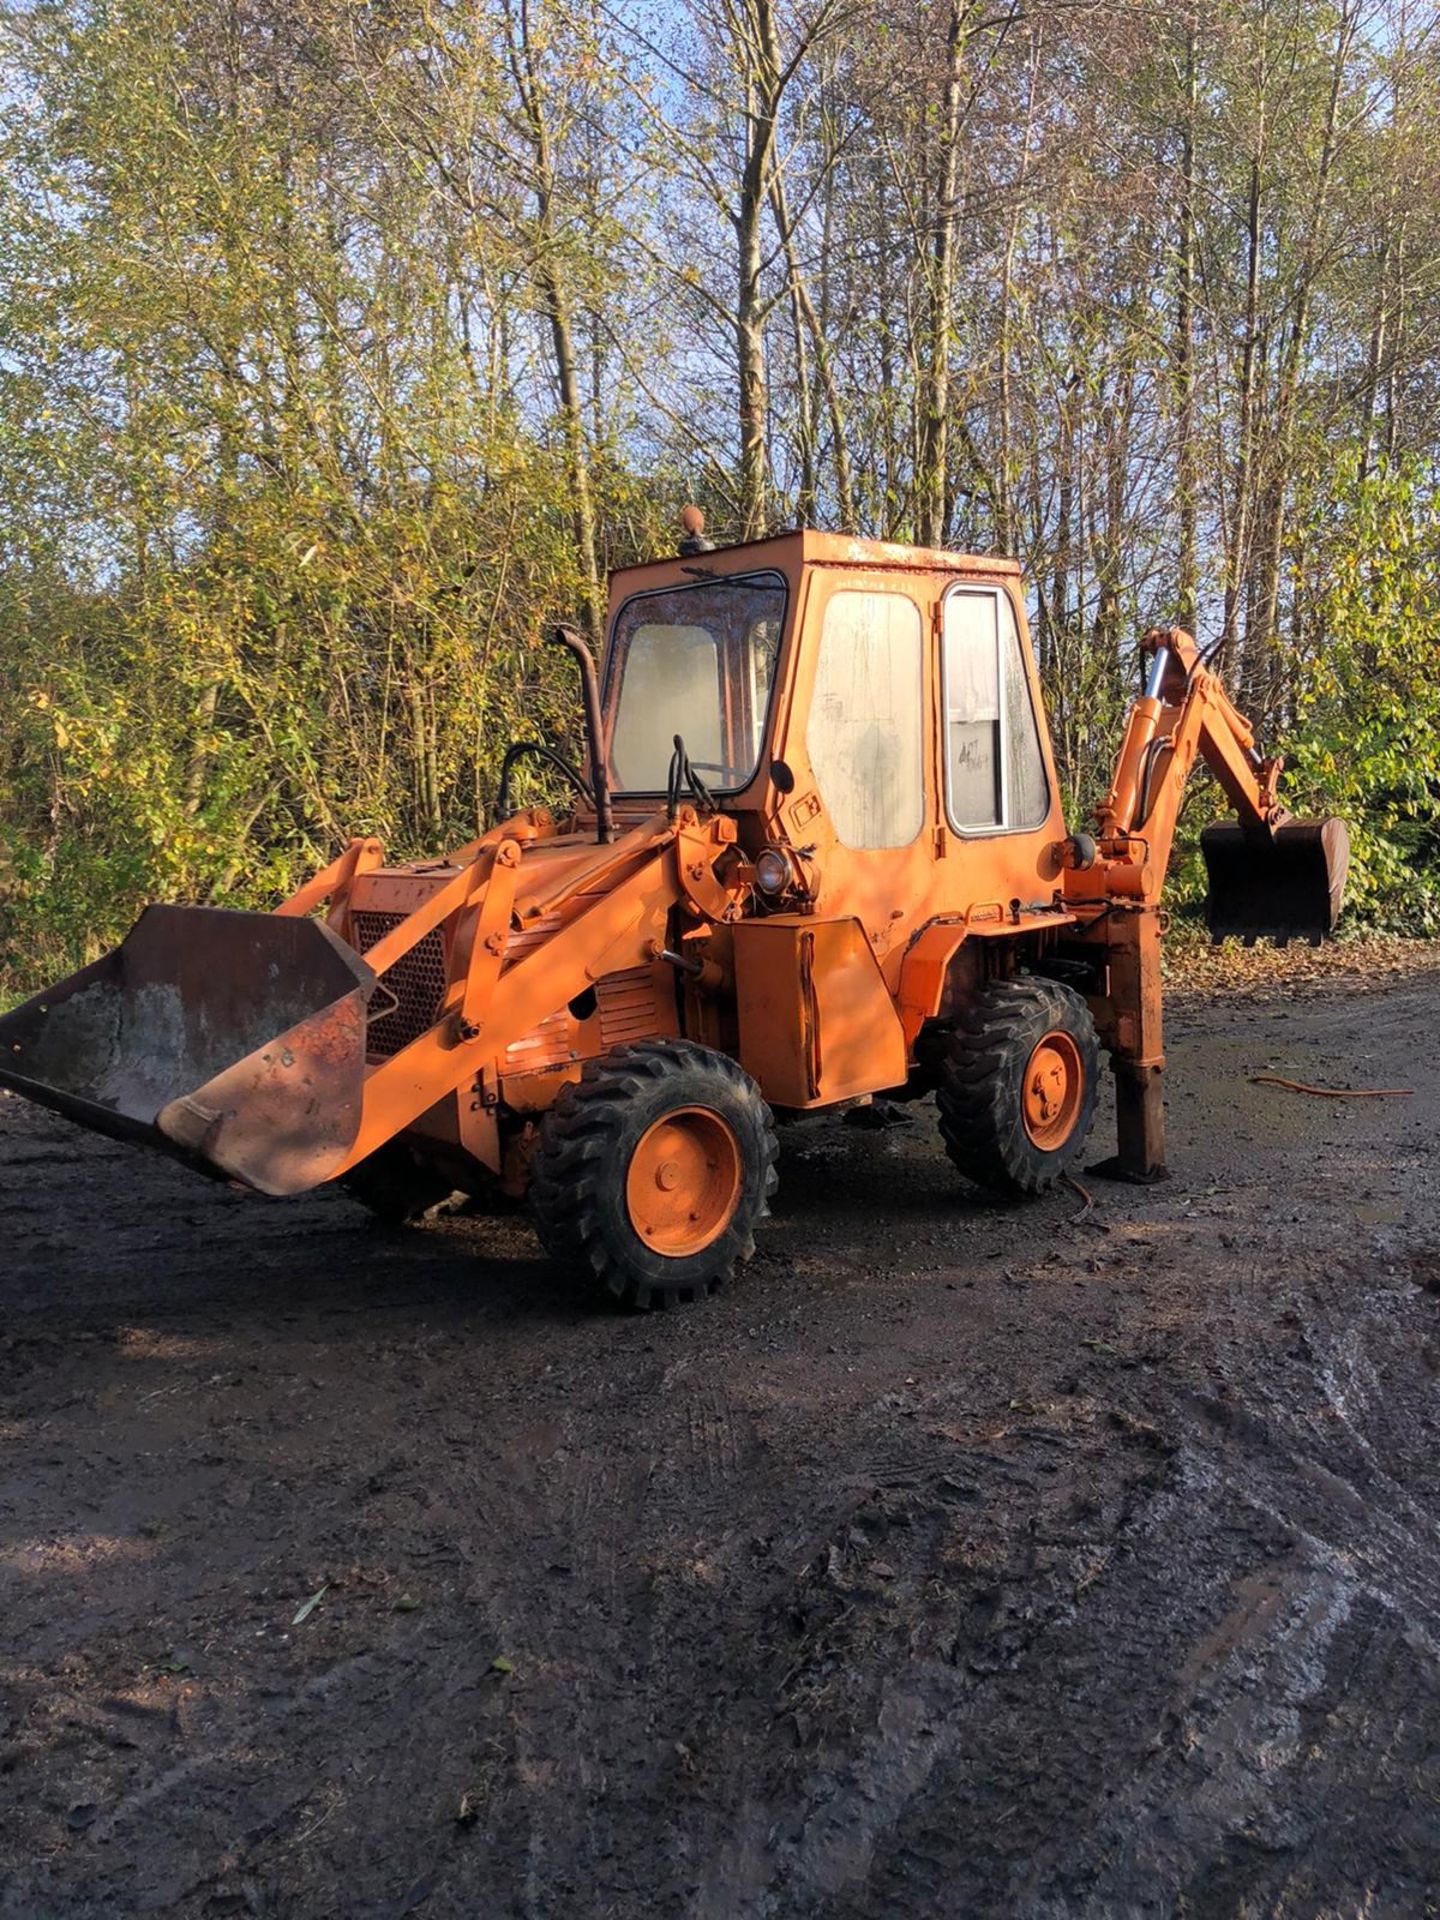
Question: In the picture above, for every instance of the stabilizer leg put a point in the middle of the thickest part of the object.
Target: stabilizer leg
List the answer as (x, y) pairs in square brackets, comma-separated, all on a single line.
[(1135, 1035)]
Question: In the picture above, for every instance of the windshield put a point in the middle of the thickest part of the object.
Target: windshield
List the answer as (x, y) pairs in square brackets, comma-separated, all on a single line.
[(698, 661)]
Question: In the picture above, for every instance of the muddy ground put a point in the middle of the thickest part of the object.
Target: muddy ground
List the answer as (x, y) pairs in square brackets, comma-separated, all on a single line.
[(961, 1560)]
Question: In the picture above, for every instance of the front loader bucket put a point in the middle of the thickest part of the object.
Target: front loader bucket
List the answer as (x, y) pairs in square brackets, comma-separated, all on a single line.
[(235, 1040), (1283, 884)]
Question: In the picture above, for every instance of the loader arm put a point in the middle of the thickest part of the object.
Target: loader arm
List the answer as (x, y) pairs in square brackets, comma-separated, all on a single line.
[(241, 1040), (617, 927)]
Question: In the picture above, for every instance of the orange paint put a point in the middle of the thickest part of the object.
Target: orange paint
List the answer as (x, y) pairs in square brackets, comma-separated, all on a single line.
[(683, 1182)]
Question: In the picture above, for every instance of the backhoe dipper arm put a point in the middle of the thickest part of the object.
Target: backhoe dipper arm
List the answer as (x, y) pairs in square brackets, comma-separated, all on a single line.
[(1184, 711)]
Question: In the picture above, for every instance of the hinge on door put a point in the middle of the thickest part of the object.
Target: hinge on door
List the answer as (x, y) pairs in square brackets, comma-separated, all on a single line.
[(941, 845)]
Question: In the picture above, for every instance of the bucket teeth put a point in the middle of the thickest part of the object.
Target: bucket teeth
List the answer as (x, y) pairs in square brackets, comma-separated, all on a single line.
[(1281, 884)]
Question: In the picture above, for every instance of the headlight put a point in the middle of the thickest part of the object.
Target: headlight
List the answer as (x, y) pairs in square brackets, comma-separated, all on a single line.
[(773, 872)]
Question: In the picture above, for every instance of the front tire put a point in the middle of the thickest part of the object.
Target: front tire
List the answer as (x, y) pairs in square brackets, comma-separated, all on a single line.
[(1019, 1075), (652, 1170)]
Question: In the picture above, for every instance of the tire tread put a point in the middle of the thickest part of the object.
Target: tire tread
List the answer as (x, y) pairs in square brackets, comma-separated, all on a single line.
[(981, 1070), (580, 1137)]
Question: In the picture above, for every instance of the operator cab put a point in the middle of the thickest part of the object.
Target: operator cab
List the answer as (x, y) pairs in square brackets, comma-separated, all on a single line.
[(847, 701)]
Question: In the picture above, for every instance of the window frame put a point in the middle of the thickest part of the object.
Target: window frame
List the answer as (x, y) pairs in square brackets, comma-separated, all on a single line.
[(1005, 825), (610, 691)]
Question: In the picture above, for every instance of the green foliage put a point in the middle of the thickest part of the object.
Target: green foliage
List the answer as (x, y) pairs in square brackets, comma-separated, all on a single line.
[(280, 550), (219, 733), (1365, 740), (344, 346)]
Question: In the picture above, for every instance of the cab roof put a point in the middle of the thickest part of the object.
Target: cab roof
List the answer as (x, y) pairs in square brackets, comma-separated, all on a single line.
[(806, 547)]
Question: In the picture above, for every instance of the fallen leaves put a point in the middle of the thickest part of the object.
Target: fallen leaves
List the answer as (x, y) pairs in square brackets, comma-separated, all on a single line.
[(304, 1612), (1356, 963)]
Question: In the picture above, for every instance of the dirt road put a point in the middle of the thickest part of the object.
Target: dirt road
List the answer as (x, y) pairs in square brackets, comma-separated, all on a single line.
[(961, 1560)]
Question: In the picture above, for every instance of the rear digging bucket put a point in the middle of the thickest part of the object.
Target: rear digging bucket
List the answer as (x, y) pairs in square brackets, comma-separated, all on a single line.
[(236, 1040), (1284, 884)]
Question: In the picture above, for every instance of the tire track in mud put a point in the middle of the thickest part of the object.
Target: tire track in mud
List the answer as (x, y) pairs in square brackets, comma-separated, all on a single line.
[(1217, 1812), (956, 1562)]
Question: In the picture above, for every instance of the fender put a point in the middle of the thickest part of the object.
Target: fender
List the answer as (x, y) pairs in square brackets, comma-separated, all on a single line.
[(928, 966)]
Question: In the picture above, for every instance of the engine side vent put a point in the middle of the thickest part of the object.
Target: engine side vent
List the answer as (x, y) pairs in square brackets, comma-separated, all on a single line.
[(638, 1004), (417, 981)]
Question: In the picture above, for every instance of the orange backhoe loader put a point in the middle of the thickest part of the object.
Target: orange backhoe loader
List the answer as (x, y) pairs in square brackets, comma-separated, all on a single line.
[(816, 854)]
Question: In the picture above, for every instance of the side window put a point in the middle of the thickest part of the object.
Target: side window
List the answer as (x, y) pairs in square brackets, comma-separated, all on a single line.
[(994, 769), (866, 734)]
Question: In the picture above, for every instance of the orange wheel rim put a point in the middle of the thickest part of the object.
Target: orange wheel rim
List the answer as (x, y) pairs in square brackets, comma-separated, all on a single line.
[(1054, 1088), (684, 1182)]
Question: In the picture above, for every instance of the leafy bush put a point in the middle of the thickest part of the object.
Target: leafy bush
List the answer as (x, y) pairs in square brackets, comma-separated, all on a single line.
[(1365, 736)]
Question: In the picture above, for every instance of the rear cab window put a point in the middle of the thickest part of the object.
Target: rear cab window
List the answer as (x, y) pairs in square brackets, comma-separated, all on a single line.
[(995, 779)]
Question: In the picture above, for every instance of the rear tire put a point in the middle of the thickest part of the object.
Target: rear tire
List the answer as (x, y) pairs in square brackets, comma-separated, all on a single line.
[(652, 1171), (1019, 1075)]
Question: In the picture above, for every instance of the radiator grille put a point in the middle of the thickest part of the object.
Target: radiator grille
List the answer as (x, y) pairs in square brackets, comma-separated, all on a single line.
[(417, 981)]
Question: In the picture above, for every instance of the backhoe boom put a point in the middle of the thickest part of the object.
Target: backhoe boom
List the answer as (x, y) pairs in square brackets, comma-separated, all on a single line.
[(1267, 873), (1184, 712)]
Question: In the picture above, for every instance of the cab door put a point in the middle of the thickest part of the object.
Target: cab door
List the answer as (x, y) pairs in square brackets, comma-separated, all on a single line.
[(861, 739), (999, 795), (815, 990)]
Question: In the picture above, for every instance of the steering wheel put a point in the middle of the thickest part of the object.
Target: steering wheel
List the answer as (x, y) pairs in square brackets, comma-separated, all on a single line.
[(732, 776), (684, 773)]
